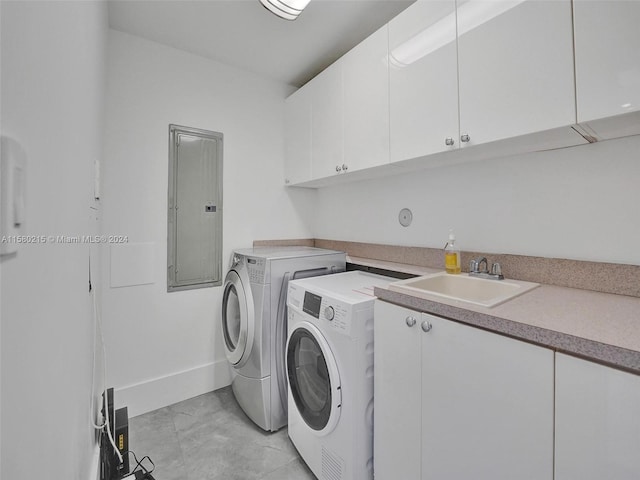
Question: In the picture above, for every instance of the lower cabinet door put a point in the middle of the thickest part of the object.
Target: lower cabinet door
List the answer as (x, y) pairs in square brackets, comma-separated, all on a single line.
[(597, 421), (396, 444), (487, 405)]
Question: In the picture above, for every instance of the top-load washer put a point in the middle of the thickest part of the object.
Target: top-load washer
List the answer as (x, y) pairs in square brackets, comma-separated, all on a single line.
[(330, 369), (254, 323)]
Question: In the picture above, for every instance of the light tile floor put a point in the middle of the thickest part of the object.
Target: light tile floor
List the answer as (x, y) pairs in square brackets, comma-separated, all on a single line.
[(210, 438)]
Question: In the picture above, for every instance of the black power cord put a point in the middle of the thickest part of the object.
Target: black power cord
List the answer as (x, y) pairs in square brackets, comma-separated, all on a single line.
[(140, 472), (139, 475)]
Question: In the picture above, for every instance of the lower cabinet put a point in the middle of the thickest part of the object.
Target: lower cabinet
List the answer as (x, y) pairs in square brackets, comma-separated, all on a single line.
[(597, 421), (397, 395), (456, 402)]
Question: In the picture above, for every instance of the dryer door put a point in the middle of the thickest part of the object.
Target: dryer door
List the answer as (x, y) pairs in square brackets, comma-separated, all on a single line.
[(237, 317), (314, 381)]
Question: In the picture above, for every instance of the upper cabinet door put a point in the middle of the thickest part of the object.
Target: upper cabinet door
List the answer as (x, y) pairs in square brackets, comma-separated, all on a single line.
[(297, 131), (515, 62), (607, 49), (326, 121), (423, 80), (365, 77)]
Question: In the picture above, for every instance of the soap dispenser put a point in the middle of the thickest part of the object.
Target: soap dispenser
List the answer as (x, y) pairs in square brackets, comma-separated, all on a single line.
[(452, 255)]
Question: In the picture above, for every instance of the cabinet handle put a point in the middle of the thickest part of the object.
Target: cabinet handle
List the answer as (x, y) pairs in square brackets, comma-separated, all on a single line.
[(448, 141), (338, 168), (426, 326), (345, 167), (410, 321), (465, 138)]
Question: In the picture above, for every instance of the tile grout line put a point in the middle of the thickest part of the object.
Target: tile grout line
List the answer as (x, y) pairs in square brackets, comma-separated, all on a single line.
[(175, 431)]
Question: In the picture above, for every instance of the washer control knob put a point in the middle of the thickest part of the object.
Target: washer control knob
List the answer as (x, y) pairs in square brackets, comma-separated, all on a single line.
[(329, 313)]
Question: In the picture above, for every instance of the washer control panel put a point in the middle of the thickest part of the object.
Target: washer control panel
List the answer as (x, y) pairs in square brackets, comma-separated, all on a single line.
[(337, 315), (329, 311)]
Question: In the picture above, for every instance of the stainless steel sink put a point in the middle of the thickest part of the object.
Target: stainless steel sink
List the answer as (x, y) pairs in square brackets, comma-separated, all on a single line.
[(463, 288)]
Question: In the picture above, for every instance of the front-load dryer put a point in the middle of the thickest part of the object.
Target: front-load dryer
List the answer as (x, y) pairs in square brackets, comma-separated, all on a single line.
[(330, 369), (254, 323)]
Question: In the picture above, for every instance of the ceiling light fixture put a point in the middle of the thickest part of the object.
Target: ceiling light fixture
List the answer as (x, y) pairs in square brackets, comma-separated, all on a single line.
[(287, 9)]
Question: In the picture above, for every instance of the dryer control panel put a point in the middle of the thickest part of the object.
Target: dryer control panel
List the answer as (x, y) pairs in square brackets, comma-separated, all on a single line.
[(256, 269)]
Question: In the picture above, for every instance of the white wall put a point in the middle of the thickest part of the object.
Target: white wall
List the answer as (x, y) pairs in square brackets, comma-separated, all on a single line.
[(53, 58), (164, 347), (1, 131), (580, 203)]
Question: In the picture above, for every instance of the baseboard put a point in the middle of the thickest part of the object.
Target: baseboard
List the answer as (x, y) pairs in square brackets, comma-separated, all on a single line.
[(160, 392)]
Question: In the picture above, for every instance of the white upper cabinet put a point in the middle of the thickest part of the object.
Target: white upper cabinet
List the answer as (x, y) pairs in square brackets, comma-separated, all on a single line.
[(477, 71), (515, 61), (597, 421), (445, 75), (297, 133), (607, 54), (365, 80), (423, 80), (339, 122), (326, 121)]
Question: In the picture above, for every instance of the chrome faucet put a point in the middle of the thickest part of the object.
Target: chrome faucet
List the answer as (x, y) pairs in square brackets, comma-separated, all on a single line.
[(475, 269), (474, 266)]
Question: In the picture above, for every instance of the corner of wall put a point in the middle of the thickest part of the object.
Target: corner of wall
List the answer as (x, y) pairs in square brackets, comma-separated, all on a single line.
[(94, 471), (159, 392)]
